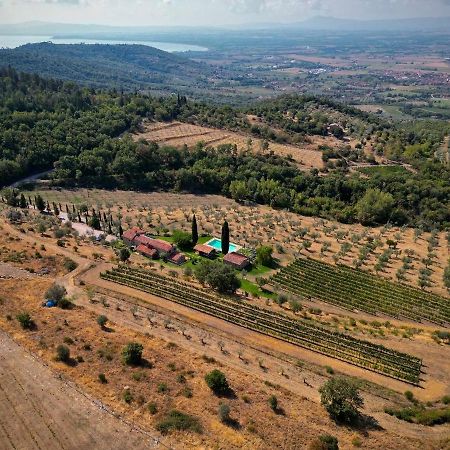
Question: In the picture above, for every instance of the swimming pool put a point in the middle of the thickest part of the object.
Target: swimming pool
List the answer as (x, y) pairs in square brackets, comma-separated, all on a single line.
[(217, 244)]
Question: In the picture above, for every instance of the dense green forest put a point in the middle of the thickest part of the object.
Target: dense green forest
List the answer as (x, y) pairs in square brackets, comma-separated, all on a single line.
[(83, 133), (125, 67)]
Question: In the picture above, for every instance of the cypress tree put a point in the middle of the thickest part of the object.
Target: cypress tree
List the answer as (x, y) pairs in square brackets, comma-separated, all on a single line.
[(194, 231), (225, 238), (23, 202), (40, 205), (120, 230)]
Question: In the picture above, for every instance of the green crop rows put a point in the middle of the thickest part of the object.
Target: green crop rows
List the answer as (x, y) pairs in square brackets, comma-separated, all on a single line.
[(354, 289), (300, 332)]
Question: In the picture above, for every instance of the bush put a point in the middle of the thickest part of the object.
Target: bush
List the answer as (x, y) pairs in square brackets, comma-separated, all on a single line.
[(132, 354), (162, 388), (152, 408), (331, 442), (127, 396), (70, 264), (224, 413), (102, 378), (63, 353), (25, 320), (179, 421), (273, 403), (65, 303), (341, 399), (102, 321), (56, 293), (217, 382), (410, 396)]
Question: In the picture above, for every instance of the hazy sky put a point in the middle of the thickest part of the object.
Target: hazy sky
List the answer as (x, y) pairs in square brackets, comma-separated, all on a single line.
[(211, 12)]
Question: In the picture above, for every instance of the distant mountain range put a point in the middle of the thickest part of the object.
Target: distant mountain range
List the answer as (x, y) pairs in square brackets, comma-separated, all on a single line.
[(121, 66), (316, 23)]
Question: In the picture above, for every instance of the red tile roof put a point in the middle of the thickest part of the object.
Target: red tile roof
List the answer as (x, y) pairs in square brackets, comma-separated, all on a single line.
[(132, 233), (206, 249), (178, 258), (161, 246), (149, 252), (142, 239), (236, 259)]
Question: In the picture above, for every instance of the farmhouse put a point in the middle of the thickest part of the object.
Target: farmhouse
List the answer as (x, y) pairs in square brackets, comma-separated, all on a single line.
[(205, 250), (236, 260), (146, 251), (130, 235), (178, 259)]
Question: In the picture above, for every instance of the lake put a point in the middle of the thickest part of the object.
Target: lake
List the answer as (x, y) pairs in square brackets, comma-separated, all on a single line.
[(9, 41)]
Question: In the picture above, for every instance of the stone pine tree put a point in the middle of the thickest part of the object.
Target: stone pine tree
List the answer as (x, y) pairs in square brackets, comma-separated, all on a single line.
[(194, 231), (225, 238)]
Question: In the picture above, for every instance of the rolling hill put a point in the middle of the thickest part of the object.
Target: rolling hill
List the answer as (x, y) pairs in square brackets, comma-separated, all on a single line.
[(121, 66)]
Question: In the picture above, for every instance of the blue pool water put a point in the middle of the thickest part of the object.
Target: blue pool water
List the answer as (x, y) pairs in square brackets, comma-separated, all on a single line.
[(217, 244)]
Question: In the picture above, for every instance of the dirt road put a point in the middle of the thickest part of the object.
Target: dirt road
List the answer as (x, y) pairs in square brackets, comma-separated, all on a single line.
[(38, 410)]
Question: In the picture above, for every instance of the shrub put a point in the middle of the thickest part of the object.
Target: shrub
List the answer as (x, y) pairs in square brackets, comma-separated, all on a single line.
[(132, 354), (446, 399), (65, 303), (152, 408), (179, 421), (273, 403), (127, 396), (56, 293), (330, 442), (102, 378), (224, 413), (70, 264), (102, 321), (329, 370), (162, 388), (25, 320), (356, 441), (217, 382), (410, 396), (63, 353), (341, 399)]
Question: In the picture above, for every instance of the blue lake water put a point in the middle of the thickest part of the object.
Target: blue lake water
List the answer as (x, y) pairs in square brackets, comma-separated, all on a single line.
[(7, 41)]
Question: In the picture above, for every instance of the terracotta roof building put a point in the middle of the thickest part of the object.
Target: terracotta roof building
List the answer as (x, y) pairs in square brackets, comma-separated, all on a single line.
[(178, 259), (148, 252), (205, 250), (130, 235), (236, 260), (161, 246)]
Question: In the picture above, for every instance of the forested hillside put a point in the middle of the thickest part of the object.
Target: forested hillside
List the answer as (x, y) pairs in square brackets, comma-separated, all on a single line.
[(126, 67), (46, 123)]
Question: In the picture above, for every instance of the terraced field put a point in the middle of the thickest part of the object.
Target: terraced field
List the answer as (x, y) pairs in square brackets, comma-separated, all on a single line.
[(354, 289), (178, 134), (303, 333)]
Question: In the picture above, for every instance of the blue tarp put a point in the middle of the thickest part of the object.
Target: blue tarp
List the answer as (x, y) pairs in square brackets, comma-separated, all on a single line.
[(50, 303)]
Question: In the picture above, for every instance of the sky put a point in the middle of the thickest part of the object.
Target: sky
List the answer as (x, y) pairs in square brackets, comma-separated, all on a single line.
[(211, 12)]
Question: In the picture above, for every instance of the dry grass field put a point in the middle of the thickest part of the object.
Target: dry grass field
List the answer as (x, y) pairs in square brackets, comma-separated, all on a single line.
[(306, 155)]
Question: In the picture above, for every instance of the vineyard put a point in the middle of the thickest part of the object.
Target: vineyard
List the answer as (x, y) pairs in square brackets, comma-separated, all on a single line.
[(303, 333), (354, 289)]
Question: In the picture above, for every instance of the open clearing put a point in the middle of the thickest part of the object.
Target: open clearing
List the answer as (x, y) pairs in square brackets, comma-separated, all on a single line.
[(39, 410), (177, 134)]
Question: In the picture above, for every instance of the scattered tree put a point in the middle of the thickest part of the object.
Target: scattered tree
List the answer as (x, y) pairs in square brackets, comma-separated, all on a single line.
[(132, 354), (217, 382)]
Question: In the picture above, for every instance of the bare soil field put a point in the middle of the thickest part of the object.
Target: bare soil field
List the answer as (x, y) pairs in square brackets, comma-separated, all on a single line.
[(306, 155), (40, 410)]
